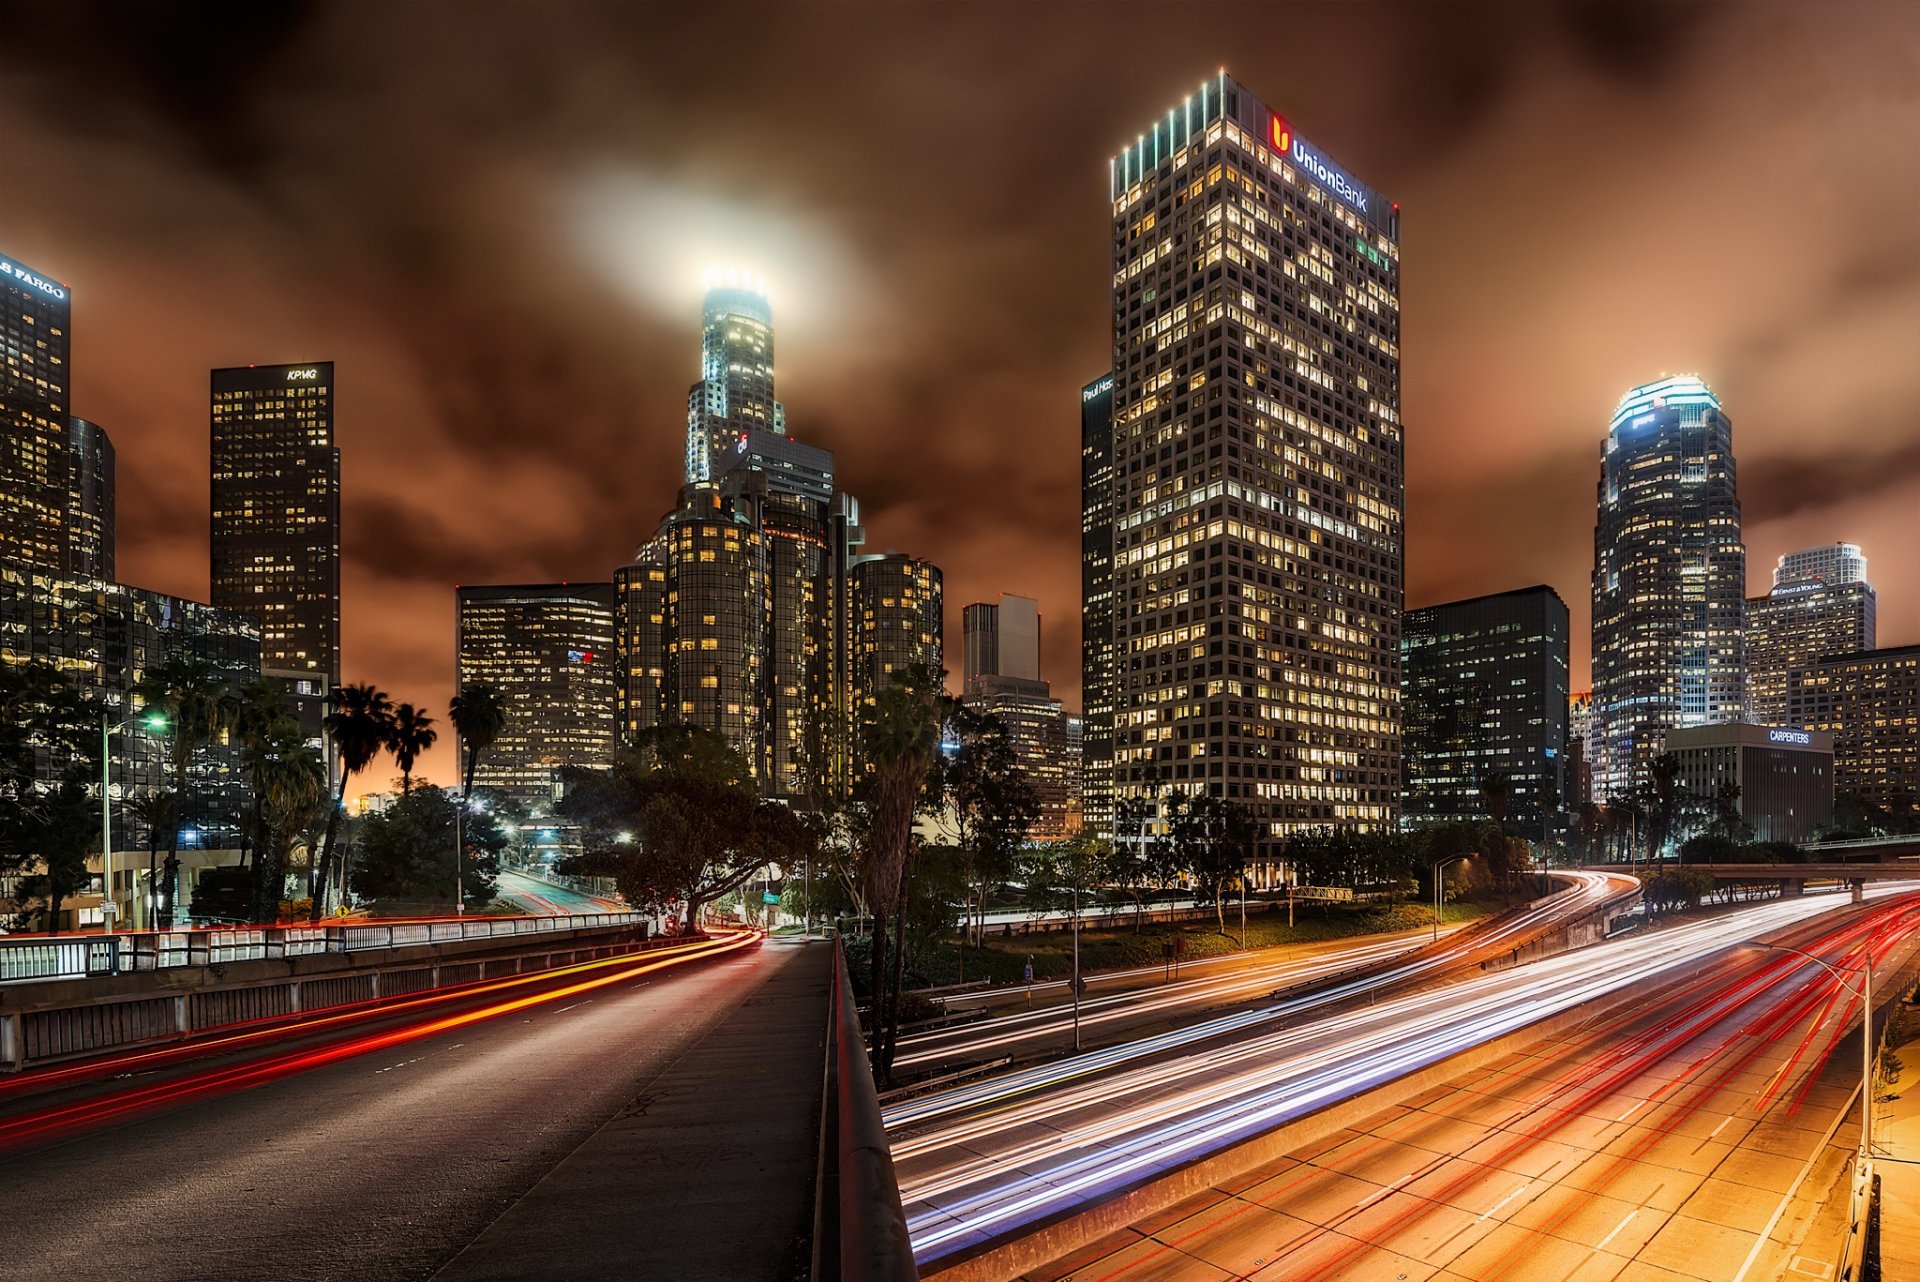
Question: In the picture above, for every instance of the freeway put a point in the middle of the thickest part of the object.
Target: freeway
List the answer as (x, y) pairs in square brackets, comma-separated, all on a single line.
[(1311, 980), (1666, 1143), (980, 1163), (372, 1148), (547, 899)]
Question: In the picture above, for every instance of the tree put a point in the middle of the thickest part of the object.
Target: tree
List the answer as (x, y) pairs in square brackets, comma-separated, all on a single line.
[(200, 706), (899, 737), (46, 827), (405, 860), (259, 708), (1212, 839), (992, 799), (410, 734), (478, 720), (290, 794), (156, 811), (676, 817), (1663, 792), (360, 726)]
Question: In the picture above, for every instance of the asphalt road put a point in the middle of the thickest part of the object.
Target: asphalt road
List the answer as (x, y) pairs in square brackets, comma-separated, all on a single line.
[(1655, 1148), (546, 897), (375, 1167)]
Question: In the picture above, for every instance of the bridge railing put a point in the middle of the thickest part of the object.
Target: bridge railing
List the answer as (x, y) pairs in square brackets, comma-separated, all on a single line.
[(38, 957), (860, 1228)]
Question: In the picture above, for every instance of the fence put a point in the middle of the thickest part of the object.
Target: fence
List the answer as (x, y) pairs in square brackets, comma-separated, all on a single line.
[(86, 956)]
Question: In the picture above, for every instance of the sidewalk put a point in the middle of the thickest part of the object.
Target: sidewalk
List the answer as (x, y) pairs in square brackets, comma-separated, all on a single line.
[(1897, 1128), (707, 1174)]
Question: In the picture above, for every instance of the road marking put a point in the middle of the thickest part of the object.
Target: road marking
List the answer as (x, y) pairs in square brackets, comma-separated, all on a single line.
[(1608, 1239), (1386, 1189), (1630, 1112), (1722, 1126), (1800, 1263), (1488, 1213)]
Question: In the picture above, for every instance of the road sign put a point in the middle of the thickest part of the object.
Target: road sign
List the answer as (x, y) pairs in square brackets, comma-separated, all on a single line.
[(769, 897)]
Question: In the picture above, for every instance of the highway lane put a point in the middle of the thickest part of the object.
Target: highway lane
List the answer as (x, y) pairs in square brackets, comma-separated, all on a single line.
[(380, 1164), (1310, 985), (543, 897), (1654, 1146), (979, 1162)]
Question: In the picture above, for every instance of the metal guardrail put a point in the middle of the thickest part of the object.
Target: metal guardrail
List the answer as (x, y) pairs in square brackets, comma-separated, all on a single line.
[(39, 957), (860, 1228)]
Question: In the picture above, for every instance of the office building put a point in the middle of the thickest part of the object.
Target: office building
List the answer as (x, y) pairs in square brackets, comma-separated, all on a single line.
[(88, 524), (639, 620), (1870, 704), (1821, 604), (716, 626), (548, 649), (275, 547), (1669, 578), (735, 391), (35, 387), (104, 637), (1002, 680), (1486, 698), (1784, 775), (1258, 470), (896, 602), (1099, 667), (1579, 753)]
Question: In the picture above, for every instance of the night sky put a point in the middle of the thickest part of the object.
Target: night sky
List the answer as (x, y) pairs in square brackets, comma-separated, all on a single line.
[(496, 219)]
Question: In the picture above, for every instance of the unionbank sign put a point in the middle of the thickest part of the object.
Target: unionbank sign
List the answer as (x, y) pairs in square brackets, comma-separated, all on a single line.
[(1287, 143)]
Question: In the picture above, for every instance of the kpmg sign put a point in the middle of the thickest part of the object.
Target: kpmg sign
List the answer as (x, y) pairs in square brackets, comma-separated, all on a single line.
[(1799, 737), (1287, 143), (311, 375), (32, 281)]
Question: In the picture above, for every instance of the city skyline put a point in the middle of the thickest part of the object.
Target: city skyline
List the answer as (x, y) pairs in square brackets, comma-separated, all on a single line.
[(579, 440)]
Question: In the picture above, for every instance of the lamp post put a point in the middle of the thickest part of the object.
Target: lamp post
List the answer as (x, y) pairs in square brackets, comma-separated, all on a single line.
[(1439, 872), (1865, 993), (154, 720)]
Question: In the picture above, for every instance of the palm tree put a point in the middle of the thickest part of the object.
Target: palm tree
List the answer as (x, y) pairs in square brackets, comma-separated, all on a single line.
[(411, 734), (1496, 791), (153, 810), (289, 779), (478, 719), (900, 738), (200, 706), (259, 709), (360, 725), (1663, 775)]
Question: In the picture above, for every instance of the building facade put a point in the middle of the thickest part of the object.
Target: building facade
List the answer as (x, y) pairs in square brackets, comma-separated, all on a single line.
[(1669, 578), (1098, 656), (275, 548), (1001, 663), (1579, 753), (897, 622), (1821, 604), (1870, 704), (1258, 470), (549, 650), (1784, 775), (35, 387), (1485, 699), (735, 391), (104, 637), (89, 529)]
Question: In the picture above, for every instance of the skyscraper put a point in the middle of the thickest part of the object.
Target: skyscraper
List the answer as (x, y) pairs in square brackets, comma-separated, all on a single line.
[(1257, 544), (1486, 693), (1002, 667), (90, 501), (1669, 578), (276, 520), (35, 315), (548, 648), (716, 631), (1870, 704), (896, 620), (1098, 657), (1821, 604), (735, 391)]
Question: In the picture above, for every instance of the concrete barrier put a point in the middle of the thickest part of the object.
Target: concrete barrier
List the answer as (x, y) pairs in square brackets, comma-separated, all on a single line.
[(60, 1019)]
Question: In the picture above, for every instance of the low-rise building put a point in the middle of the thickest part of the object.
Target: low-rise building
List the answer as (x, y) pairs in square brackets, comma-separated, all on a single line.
[(1784, 774)]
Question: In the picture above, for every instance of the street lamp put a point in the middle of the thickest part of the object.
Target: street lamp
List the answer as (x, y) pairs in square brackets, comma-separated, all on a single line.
[(1439, 872), (1865, 993), (156, 721)]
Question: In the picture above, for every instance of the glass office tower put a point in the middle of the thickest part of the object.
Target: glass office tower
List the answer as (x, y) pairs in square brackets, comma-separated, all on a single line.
[(1258, 519)]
